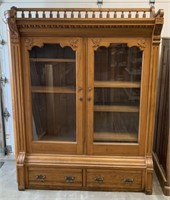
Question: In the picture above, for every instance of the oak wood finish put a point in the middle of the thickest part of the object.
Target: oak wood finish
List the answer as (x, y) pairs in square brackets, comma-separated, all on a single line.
[(53, 90), (84, 163)]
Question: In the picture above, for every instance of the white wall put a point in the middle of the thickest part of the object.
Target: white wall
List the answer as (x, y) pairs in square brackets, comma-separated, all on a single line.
[(6, 4)]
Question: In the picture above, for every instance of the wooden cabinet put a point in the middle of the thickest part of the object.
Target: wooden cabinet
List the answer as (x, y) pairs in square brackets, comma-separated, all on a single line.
[(161, 152), (84, 97)]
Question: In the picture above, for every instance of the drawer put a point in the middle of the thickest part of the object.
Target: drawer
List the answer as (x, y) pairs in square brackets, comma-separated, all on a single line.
[(114, 179), (54, 177)]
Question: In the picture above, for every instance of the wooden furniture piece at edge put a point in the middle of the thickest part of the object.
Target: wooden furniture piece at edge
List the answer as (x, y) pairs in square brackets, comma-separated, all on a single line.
[(161, 151), (126, 167)]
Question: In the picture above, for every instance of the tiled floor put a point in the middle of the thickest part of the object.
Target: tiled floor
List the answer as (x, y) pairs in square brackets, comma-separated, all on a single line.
[(9, 191)]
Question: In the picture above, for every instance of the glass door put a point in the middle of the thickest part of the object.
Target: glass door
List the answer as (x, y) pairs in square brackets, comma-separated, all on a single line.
[(53, 81), (114, 90), (56, 89)]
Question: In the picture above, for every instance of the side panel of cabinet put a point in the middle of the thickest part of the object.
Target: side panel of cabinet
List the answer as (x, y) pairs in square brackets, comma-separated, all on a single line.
[(59, 90), (110, 119)]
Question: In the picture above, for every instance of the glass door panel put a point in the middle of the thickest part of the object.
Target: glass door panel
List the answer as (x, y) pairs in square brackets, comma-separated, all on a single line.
[(53, 86), (117, 75), (117, 63)]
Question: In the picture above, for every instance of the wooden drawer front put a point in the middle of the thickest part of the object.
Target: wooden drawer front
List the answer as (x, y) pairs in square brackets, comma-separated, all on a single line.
[(115, 179), (54, 177)]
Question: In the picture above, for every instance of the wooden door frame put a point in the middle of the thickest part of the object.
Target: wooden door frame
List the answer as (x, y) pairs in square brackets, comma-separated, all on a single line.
[(119, 148), (51, 146)]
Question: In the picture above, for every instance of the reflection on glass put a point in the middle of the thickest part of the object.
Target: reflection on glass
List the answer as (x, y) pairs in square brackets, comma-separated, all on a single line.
[(53, 78), (118, 62), (117, 96), (117, 75), (115, 126), (54, 116)]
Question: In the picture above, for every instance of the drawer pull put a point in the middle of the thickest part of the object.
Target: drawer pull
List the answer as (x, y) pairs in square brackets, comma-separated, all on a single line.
[(128, 181), (41, 178), (69, 179), (99, 179)]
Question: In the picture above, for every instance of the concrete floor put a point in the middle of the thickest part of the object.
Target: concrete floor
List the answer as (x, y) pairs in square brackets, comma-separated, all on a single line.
[(9, 191)]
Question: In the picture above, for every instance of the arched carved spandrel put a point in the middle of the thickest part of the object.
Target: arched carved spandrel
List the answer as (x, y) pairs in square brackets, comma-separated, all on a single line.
[(29, 43), (141, 44), (73, 43), (96, 43)]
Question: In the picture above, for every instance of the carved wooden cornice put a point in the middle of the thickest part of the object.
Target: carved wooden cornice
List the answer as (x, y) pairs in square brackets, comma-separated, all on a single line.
[(22, 20), (74, 26)]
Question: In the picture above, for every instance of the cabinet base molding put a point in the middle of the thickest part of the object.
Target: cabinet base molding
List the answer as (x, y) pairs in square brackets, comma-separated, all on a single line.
[(161, 176), (86, 173)]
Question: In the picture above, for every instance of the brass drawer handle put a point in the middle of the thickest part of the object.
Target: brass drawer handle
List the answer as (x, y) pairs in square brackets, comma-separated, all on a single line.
[(40, 178), (128, 181), (99, 179), (69, 179)]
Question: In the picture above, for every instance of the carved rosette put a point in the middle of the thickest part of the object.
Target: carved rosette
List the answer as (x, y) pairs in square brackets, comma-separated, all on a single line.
[(96, 43), (141, 44)]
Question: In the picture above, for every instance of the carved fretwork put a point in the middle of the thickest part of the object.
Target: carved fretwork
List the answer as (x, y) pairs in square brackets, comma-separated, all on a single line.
[(74, 43), (29, 43), (96, 43), (141, 44)]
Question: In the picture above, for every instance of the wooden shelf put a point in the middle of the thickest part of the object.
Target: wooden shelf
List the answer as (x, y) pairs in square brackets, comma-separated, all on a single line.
[(57, 138), (51, 60), (115, 137), (116, 108), (117, 84), (64, 90)]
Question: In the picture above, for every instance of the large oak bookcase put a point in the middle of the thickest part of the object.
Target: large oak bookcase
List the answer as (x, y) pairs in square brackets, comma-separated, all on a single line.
[(84, 89)]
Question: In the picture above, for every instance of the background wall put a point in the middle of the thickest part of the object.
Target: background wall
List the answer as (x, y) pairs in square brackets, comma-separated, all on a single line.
[(4, 49)]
